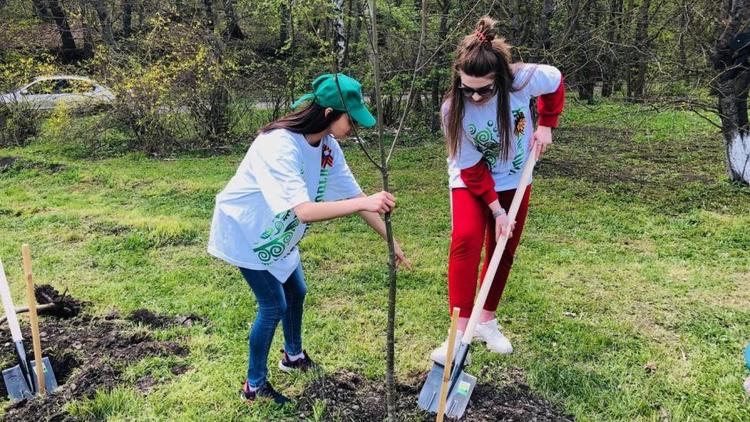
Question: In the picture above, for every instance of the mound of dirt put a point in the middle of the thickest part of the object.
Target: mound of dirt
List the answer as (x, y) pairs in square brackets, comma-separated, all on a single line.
[(65, 305), (350, 397)]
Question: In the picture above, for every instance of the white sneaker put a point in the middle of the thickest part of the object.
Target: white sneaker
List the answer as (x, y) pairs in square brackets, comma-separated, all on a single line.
[(438, 355), (489, 332)]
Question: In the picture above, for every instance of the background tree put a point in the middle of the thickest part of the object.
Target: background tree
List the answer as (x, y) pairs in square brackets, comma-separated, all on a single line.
[(731, 60)]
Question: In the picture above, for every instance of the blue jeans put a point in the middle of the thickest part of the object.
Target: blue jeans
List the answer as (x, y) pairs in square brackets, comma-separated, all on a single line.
[(276, 302)]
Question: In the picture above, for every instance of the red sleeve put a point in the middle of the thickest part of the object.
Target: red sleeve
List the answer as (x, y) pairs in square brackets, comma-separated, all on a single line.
[(551, 105), (478, 180)]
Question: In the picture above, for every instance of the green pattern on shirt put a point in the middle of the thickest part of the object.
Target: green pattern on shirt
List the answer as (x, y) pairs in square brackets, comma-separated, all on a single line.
[(486, 141)]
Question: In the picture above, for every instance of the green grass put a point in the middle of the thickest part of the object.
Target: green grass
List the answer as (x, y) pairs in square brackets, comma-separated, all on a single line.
[(636, 251)]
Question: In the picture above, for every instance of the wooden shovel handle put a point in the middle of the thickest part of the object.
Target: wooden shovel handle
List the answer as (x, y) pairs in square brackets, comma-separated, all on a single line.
[(33, 319), (448, 365)]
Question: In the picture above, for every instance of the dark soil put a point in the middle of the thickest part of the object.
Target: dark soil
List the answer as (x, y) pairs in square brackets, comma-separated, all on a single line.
[(8, 164), (65, 305), (146, 317), (351, 397), (87, 354)]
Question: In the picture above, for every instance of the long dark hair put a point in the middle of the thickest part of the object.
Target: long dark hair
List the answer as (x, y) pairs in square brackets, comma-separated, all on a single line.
[(479, 54), (311, 119)]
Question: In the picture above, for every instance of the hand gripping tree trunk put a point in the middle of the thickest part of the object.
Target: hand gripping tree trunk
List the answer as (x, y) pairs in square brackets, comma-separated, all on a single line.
[(731, 59)]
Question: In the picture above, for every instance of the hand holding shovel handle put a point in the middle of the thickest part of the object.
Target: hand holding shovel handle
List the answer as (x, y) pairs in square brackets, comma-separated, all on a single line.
[(31, 300), (448, 363)]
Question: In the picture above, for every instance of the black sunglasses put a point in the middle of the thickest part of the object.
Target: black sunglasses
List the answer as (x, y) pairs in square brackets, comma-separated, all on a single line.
[(482, 92)]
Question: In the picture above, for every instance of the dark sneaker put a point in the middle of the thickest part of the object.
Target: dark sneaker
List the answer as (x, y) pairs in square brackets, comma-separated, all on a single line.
[(265, 391), (303, 364)]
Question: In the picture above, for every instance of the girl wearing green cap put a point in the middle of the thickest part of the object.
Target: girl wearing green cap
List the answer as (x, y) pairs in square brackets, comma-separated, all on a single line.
[(293, 174)]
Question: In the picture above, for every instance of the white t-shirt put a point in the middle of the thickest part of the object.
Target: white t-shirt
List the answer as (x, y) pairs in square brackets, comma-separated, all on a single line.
[(481, 137), (254, 225)]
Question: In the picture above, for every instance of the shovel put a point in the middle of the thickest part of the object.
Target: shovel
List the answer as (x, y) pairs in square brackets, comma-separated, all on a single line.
[(20, 379), (461, 384), (42, 368)]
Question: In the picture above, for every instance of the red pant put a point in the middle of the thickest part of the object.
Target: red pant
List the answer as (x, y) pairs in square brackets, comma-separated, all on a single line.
[(473, 225)]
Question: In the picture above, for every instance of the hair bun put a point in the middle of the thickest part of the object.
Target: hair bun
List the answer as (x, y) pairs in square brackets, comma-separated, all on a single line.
[(486, 27)]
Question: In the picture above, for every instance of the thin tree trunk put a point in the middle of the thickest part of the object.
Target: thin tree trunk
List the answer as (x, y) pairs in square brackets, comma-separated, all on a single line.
[(611, 63), (339, 32), (543, 32), (41, 11), (286, 23), (88, 36), (141, 14), (61, 20), (445, 7), (127, 18), (208, 6), (637, 81), (390, 329), (105, 21), (233, 25), (358, 23), (681, 33), (348, 37), (583, 29)]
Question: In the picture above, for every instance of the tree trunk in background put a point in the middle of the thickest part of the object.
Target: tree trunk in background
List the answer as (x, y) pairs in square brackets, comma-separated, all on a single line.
[(141, 14), (208, 7), (88, 36), (61, 21), (610, 73), (681, 34), (639, 63), (516, 22), (285, 25), (233, 30), (436, 82), (127, 18), (40, 9), (731, 59), (543, 32), (348, 32), (587, 60), (339, 33), (104, 20)]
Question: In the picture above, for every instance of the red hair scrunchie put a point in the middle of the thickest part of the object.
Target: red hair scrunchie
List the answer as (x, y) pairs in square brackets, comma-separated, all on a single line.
[(479, 34)]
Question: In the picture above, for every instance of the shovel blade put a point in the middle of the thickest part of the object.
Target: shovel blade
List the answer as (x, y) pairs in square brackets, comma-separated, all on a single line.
[(16, 383), (50, 381), (458, 397)]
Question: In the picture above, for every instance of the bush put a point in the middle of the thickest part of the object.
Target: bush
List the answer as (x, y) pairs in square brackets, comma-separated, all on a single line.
[(19, 121), (90, 136)]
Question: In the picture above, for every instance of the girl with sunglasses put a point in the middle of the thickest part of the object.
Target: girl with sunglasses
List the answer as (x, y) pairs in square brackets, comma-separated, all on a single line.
[(293, 174), (485, 121)]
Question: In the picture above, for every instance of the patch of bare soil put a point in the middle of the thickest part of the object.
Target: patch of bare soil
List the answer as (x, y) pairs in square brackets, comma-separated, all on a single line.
[(351, 397), (87, 354)]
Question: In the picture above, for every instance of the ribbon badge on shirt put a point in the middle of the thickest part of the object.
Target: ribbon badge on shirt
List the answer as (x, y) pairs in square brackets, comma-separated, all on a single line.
[(519, 130), (326, 158)]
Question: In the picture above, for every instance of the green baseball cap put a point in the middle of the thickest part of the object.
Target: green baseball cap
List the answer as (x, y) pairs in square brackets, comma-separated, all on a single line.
[(325, 93)]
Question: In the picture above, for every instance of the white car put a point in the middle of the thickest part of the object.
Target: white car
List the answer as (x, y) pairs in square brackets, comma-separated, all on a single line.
[(46, 92)]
